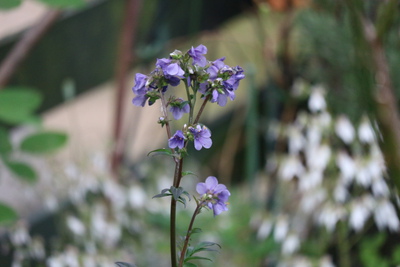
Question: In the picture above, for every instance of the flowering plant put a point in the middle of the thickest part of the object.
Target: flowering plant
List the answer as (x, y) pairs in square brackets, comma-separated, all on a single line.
[(210, 81)]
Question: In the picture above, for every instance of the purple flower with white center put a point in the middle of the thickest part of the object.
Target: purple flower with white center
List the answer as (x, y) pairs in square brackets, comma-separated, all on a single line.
[(222, 82), (178, 107), (213, 195), (178, 140), (198, 55), (173, 73), (140, 89), (201, 137)]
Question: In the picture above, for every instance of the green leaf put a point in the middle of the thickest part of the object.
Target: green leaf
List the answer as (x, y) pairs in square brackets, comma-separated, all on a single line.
[(17, 104), (8, 4), (196, 231), (164, 193), (7, 214), (176, 192), (188, 173), (396, 256), (44, 142), (65, 3), (189, 264), (163, 151), (22, 170), (197, 258), (5, 144)]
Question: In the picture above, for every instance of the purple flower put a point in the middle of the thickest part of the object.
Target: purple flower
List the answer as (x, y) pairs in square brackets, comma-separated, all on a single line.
[(198, 55), (178, 140), (213, 195), (223, 82), (201, 137), (178, 107), (173, 73), (140, 89)]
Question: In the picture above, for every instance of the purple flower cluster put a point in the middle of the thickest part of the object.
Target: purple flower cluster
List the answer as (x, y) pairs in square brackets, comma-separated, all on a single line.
[(178, 107), (215, 78), (213, 195), (200, 135), (223, 81)]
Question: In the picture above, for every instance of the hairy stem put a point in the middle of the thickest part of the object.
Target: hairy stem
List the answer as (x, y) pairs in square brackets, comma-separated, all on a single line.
[(188, 234), (191, 104), (177, 179), (201, 109)]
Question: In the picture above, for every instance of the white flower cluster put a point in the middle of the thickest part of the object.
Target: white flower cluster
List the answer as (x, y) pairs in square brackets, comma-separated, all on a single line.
[(332, 171), (95, 227)]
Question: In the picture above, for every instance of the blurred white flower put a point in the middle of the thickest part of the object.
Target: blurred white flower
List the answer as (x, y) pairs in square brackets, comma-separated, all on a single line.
[(20, 235), (347, 166), (281, 228), (112, 235), (51, 202), (137, 197), (363, 174), (318, 157), (344, 129), (115, 193), (330, 215), (291, 244), (89, 261), (366, 133), (380, 188), (340, 193), (310, 180), (312, 199), (360, 211), (264, 230), (385, 216), (296, 140), (71, 257), (55, 261), (316, 102), (37, 250), (75, 226), (326, 261), (290, 166), (314, 135), (323, 120)]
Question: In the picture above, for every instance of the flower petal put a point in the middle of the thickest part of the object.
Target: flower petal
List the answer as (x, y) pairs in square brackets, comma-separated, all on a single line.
[(211, 183)]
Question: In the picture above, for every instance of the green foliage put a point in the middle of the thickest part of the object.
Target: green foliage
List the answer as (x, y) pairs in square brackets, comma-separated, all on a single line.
[(176, 193), (163, 151), (5, 144), (8, 4), (7, 214), (17, 104), (387, 14), (17, 107), (64, 3), (369, 251), (43, 142), (125, 264), (22, 170), (202, 246)]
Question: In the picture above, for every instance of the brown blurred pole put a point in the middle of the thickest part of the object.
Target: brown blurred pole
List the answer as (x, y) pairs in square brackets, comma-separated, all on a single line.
[(387, 108), (19, 52), (123, 64)]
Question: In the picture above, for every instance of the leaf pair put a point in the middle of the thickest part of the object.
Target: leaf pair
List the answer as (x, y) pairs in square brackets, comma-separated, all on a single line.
[(176, 193), (202, 246)]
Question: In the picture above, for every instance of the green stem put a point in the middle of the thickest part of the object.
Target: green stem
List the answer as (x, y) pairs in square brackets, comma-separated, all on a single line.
[(188, 234), (177, 179), (191, 104), (343, 245)]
